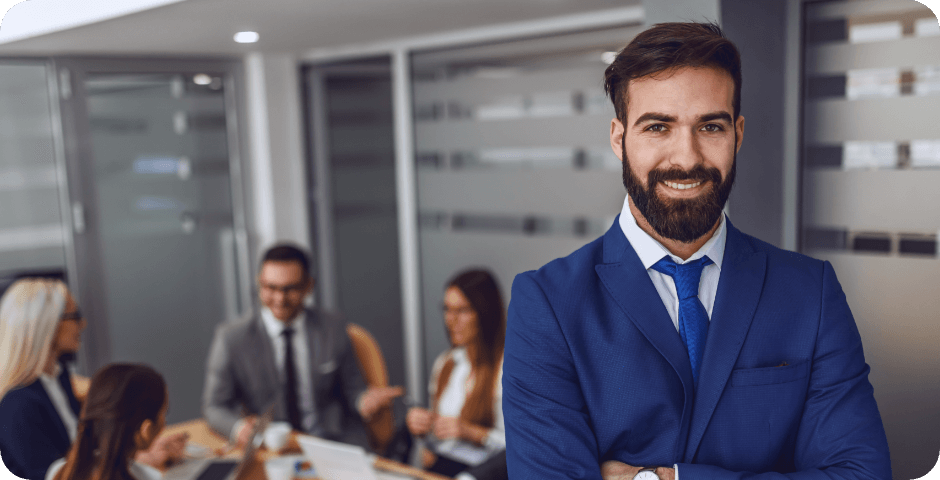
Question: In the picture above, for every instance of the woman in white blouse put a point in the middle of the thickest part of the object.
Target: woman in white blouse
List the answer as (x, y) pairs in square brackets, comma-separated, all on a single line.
[(124, 413), (464, 426)]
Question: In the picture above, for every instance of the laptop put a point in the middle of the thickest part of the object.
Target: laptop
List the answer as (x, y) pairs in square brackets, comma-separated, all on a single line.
[(339, 461), (222, 469)]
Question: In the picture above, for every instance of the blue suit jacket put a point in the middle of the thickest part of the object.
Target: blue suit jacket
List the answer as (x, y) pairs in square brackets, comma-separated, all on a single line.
[(32, 434), (595, 370)]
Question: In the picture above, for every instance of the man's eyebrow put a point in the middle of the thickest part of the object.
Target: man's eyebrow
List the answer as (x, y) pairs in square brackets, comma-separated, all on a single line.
[(655, 117), (708, 117)]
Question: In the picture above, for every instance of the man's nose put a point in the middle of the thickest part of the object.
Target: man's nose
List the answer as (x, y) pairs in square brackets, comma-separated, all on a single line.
[(686, 151)]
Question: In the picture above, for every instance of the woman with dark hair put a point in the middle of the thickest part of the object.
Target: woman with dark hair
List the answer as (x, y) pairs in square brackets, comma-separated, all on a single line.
[(124, 413), (464, 426)]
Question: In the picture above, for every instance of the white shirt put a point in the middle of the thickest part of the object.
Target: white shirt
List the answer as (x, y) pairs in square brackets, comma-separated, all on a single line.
[(274, 327), (60, 401), (137, 470), (452, 400), (651, 251)]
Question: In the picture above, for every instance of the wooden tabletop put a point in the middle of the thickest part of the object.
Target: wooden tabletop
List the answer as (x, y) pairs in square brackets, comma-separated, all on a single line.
[(201, 434)]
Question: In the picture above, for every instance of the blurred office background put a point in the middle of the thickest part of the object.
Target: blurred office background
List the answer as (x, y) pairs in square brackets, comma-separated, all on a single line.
[(150, 158)]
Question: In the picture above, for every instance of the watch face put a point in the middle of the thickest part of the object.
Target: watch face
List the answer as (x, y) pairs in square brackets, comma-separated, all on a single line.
[(646, 475)]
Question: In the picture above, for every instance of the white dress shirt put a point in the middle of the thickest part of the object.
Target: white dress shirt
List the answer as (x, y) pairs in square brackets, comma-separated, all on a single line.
[(60, 401), (274, 327), (459, 385), (651, 251)]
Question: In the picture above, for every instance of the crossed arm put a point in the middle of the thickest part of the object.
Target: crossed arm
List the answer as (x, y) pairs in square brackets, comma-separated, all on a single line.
[(550, 433)]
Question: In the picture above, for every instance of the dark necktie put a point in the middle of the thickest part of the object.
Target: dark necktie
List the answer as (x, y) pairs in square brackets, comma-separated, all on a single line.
[(693, 319), (290, 374)]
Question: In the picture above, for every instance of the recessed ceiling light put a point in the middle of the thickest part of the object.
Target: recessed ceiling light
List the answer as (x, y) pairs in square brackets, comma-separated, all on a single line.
[(608, 57), (246, 37), (202, 79)]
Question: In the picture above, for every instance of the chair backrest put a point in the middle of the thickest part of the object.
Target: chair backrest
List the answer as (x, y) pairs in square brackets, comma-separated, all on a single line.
[(381, 427)]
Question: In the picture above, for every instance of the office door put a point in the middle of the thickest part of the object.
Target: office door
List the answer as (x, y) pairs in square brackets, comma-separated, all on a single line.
[(152, 157)]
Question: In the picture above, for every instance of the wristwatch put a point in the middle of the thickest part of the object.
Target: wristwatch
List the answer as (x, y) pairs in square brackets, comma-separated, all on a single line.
[(647, 473)]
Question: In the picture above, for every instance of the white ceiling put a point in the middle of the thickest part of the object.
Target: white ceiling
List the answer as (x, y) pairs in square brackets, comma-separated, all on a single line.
[(206, 27)]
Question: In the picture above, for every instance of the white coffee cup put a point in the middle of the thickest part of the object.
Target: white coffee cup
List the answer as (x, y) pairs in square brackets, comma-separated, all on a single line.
[(279, 468), (276, 436)]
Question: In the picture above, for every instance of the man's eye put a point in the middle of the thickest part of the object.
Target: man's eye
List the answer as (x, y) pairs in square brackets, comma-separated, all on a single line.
[(711, 127), (656, 128)]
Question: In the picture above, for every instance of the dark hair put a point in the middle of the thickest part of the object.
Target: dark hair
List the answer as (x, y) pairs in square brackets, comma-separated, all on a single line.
[(482, 291), (285, 252), (667, 46), (120, 398)]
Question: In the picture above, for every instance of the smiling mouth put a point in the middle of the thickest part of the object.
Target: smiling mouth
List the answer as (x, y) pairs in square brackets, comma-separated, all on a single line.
[(681, 186)]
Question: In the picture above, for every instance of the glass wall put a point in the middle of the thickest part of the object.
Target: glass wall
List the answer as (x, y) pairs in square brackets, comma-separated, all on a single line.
[(514, 166), (152, 156), (871, 169), (31, 227), (354, 200)]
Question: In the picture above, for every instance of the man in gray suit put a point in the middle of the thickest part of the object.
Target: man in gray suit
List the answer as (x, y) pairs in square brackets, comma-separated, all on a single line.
[(297, 358)]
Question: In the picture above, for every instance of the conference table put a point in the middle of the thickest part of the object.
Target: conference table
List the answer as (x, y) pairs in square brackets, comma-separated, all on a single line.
[(201, 434)]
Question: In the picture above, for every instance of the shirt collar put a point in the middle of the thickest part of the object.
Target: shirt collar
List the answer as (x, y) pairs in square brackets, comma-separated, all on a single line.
[(651, 251), (460, 355), (275, 327)]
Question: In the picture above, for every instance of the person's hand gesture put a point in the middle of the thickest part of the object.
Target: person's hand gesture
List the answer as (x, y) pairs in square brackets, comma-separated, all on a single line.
[(164, 451), (377, 398), (419, 421), (449, 427)]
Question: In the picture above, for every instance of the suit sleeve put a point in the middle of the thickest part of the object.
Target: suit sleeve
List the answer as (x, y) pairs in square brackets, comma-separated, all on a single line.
[(220, 404), (841, 434), (25, 442), (548, 433)]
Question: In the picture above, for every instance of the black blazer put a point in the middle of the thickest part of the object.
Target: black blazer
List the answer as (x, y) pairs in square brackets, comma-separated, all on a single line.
[(32, 434)]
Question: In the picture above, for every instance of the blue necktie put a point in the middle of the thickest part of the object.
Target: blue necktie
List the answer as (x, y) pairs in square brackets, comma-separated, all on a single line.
[(693, 320)]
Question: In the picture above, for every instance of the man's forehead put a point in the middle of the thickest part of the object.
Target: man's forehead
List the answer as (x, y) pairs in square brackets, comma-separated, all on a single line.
[(661, 92), (280, 269)]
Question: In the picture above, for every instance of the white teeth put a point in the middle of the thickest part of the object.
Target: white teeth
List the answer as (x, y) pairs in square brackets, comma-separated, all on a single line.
[(680, 186)]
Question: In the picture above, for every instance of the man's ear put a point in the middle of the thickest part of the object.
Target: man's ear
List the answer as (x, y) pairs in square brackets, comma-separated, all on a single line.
[(310, 284), (739, 131), (616, 137)]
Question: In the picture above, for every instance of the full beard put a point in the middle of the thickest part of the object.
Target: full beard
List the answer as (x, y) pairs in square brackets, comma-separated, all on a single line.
[(683, 220)]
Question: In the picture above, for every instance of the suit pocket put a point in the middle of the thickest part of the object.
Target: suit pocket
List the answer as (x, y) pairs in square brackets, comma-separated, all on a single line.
[(327, 367), (769, 375)]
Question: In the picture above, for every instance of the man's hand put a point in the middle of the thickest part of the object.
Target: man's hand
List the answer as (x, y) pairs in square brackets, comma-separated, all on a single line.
[(377, 398), (614, 470), (244, 435), (449, 427), (165, 450), (419, 421)]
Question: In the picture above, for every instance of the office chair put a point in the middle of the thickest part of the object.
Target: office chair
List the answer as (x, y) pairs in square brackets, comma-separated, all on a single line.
[(381, 427)]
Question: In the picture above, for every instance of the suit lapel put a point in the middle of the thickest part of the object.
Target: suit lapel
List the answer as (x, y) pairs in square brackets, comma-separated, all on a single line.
[(739, 290), (629, 284), (267, 368), (315, 350), (64, 438)]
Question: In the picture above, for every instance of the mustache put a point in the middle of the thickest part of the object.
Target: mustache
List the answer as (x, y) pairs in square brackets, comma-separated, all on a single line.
[(697, 173)]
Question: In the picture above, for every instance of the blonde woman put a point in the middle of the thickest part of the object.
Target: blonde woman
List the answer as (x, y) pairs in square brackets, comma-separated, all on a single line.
[(39, 323)]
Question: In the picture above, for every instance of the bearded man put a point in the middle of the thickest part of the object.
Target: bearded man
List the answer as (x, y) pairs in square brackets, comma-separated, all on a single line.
[(675, 344)]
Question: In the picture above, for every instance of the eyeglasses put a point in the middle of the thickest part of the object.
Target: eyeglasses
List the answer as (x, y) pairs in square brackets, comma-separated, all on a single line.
[(74, 316), (457, 310), (293, 289)]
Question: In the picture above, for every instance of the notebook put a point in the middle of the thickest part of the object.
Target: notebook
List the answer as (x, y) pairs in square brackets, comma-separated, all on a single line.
[(339, 461)]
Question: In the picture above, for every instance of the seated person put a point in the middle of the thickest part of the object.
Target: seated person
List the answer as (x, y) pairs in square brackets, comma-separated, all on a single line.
[(464, 426), (39, 325), (296, 358), (124, 414)]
